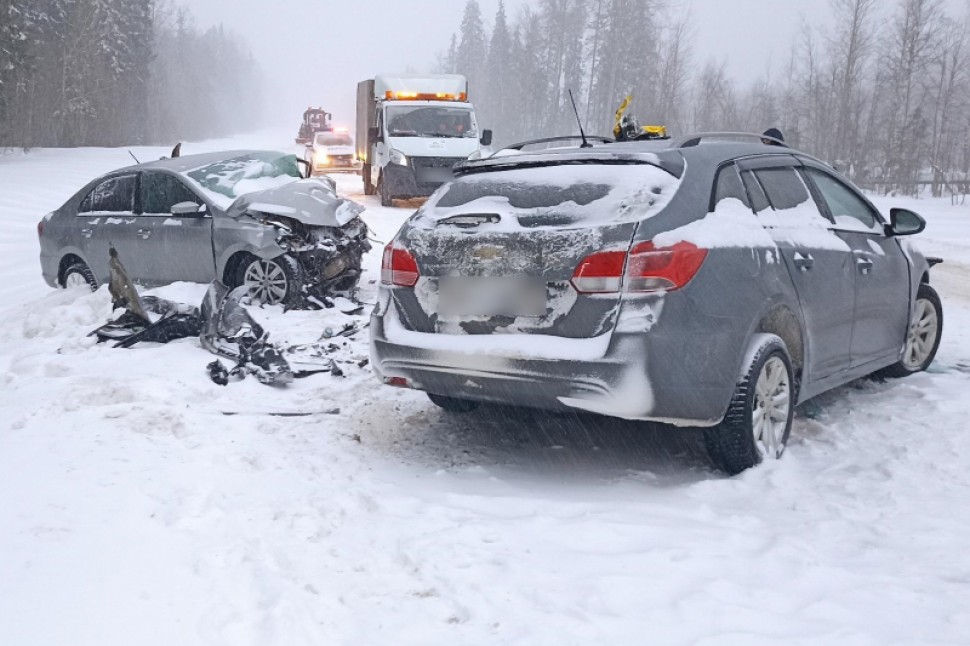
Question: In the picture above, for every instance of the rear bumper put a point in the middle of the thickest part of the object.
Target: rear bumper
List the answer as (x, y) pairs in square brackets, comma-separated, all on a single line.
[(608, 375)]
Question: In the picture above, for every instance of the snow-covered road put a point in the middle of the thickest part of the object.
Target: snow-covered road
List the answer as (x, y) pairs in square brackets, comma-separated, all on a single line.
[(142, 504)]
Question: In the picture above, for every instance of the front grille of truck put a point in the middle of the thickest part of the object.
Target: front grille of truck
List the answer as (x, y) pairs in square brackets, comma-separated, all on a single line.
[(435, 162)]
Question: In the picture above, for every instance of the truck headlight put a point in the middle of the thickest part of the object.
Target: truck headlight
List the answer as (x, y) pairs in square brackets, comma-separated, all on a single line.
[(321, 158), (397, 157)]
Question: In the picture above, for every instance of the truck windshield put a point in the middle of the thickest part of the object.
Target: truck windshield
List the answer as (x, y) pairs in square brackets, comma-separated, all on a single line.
[(430, 121)]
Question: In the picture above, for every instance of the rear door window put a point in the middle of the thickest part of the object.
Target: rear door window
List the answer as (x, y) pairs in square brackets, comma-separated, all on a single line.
[(160, 192), (789, 197), (728, 186), (113, 195), (847, 209)]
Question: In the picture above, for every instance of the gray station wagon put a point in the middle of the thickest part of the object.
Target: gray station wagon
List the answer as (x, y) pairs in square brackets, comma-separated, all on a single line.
[(243, 217), (698, 282)]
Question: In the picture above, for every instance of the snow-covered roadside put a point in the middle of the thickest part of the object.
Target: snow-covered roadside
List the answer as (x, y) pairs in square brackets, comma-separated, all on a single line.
[(133, 511)]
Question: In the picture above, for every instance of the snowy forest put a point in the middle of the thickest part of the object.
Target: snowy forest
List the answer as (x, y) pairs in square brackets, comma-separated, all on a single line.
[(884, 94), (118, 72)]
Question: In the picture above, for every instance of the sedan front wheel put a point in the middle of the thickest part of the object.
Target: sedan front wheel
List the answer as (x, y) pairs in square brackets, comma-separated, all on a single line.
[(272, 281)]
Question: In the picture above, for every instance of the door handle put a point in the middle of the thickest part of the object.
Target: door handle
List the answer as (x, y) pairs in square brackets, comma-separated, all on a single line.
[(804, 261), (87, 233), (145, 233), (864, 264)]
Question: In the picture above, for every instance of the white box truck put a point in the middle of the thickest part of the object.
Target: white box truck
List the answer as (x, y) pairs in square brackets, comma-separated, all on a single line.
[(411, 131)]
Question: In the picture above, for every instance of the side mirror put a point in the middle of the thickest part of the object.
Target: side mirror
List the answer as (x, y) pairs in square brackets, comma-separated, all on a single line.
[(903, 222), (188, 208), (486, 138), (373, 133)]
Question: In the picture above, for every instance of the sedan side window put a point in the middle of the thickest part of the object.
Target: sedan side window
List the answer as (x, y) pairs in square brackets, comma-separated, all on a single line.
[(160, 192), (848, 209), (113, 195)]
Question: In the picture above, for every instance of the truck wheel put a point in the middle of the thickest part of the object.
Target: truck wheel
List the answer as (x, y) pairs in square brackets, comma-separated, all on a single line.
[(79, 274), (365, 173), (272, 281), (759, 418), (452, 404), (386, 199), (922, 337)]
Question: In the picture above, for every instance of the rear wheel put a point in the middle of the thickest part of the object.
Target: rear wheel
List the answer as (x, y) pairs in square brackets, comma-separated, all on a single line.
[(271, 281), (759, 418), (77, 275), (922, 337), (452, 404)]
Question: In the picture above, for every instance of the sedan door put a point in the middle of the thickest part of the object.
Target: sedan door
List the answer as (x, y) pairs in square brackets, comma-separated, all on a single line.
[(820, 264), (106, 218), (178, 247), (882, 282)]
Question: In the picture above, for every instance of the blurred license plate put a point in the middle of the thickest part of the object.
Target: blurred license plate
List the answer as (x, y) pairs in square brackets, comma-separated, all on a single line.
[(491, 296), (436, 175)]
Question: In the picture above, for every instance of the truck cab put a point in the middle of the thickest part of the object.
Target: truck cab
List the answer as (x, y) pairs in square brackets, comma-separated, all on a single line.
[(411, 131)]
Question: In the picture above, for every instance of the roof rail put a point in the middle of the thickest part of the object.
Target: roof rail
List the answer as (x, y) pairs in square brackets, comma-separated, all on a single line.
[(689, 141), (550, 140)]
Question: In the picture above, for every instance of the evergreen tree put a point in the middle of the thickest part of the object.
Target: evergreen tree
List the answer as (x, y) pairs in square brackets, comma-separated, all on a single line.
[(472, 52)]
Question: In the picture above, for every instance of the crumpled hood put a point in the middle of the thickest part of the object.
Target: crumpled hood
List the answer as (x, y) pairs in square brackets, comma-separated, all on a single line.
[(311, 201), (434, 147)]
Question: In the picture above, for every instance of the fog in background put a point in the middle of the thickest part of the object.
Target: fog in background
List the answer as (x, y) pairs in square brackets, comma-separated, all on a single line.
[(879, 88), (315, 52)]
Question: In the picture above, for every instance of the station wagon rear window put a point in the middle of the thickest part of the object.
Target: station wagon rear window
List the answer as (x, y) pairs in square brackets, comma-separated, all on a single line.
[(601, 192)]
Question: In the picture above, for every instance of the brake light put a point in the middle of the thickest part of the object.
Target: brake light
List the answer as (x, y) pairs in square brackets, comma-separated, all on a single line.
[(398, 267), (600, 273), (650, 269), (40, 229), (644, 269)]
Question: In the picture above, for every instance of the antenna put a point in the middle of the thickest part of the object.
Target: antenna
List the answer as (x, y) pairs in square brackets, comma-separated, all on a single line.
[(579, 121), (133, 157)]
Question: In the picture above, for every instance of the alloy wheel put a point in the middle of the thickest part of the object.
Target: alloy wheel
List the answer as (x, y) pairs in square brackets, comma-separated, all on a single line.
[(772, 404), (922, 335), (267, 281)]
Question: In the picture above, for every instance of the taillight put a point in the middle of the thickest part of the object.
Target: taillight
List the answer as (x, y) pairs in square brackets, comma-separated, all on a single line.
[(40, 229), (600, 273), (652, 270), (399, 267), (644, 269)]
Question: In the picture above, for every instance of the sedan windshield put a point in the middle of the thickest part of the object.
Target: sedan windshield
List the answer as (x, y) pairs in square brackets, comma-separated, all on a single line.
[(225, 180), (430, 121)]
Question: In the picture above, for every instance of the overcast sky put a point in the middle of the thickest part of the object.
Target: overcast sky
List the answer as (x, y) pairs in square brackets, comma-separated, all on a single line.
[(315, 51)]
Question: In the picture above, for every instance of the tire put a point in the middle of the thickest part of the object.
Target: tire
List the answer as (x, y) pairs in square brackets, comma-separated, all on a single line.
[(759, 418), (922, 337), (452, 404), (78, 274), (365, 173), (386, 199), (272, 281)]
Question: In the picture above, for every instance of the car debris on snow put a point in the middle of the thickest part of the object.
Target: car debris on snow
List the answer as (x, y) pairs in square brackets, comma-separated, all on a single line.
[(224, 327)]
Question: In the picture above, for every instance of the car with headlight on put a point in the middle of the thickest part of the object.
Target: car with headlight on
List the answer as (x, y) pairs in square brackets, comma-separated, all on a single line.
[(706, 281), (332, 152), (246, 217)]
